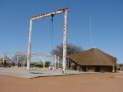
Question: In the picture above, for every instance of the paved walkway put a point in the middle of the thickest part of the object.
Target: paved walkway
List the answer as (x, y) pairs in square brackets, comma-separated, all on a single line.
[(36, 72)]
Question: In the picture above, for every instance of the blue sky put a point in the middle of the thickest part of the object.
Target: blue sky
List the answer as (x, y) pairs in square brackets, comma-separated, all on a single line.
[(92, 23)]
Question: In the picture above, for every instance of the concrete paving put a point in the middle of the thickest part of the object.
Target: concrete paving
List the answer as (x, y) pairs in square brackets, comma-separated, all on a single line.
[(36, 72)]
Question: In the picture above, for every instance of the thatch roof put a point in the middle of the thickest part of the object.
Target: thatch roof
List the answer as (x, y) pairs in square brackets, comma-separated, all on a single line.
[(93, 56)]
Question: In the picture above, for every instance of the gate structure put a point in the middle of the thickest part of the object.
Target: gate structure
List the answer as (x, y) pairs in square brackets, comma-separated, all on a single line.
[(29, 51)]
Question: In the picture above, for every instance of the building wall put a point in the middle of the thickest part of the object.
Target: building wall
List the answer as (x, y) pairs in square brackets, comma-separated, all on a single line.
[(87, 68)]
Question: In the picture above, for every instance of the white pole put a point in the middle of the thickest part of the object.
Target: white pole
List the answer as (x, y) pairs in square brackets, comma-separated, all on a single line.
[(17, 61), (43, 64), (113, 67), (29, 52), (55, 61), (65, 40), (58, 61)]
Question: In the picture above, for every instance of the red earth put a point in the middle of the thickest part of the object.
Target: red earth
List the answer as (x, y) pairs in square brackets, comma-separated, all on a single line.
[(97, 82)]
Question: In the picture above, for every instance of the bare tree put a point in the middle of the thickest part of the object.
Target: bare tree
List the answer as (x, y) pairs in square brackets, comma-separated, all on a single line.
[(71, 49)]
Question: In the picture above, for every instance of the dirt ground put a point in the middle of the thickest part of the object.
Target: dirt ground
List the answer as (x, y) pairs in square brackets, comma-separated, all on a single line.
[(98, 82)]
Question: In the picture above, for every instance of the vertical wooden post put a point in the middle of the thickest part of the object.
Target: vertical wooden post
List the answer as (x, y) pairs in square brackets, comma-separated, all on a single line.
[(55, 61), (43, 63), (17, 61), (65, 40), (58, 61), (113, 67), (29, 52)]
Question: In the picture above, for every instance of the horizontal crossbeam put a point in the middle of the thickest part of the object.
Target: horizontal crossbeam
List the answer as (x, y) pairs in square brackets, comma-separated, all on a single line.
[(49, 14), (34, 54)]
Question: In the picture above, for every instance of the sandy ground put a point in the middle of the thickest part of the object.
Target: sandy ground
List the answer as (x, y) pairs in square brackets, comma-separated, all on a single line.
[(98, 82)]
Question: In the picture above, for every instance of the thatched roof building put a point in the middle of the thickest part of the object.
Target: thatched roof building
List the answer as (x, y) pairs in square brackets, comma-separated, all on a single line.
[(94, 58)]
